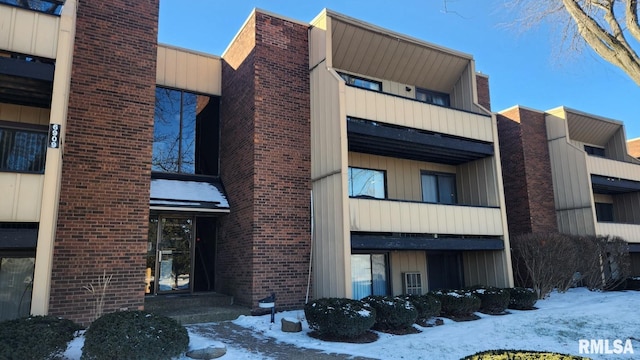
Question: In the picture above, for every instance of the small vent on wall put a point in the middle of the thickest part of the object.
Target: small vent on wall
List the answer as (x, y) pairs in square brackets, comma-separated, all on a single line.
[(412, 283)]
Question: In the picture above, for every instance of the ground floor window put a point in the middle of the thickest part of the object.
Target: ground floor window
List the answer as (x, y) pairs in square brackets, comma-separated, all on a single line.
[(445, 270), (369, 275), (16, 283)]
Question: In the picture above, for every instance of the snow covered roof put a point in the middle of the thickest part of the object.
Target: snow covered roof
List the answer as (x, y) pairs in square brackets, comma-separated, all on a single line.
[(201, 195)]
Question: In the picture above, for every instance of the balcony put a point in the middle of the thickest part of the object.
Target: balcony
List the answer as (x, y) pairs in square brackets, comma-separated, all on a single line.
[(613, 168), (29, 31), (407, 112), (629, 232), (368, 215)]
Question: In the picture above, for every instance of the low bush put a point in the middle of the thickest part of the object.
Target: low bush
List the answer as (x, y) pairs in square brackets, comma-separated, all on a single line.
[(521, 354), (392, 313), (522, 298), (339, 318), (35, 337), (458, 303), (633, 283), (493, 300), (134, 335), (426, 305)]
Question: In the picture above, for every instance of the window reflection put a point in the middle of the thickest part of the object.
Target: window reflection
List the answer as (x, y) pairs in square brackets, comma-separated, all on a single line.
[(177, 148), (366, 183)]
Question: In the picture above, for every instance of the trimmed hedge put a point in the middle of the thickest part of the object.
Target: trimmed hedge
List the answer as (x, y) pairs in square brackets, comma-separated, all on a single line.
[(458, 303), (521, 354), (493, 300), (392, 313), (134, 335), (522, 298), (35, 337), (426, 305), (341, 318)]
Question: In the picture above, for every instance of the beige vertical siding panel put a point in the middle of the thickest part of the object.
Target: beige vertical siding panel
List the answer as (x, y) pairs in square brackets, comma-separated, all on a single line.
[(317, 41), (171, 62), (6, 17), (161, 65), (22, 197), (194, 76), (45, 39), (24, 114), (407, 261), (181, 70)]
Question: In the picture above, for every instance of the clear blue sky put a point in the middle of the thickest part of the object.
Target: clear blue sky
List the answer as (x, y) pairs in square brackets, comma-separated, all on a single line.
[(523, 67)]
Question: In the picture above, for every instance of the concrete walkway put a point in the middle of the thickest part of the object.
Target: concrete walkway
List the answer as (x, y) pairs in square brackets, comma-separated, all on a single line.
[(235, 336)]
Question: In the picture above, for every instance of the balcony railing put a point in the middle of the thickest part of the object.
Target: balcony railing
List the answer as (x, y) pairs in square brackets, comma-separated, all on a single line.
[(397, 110), (613, 168), (425, 218), (53, 7), (629, 232)]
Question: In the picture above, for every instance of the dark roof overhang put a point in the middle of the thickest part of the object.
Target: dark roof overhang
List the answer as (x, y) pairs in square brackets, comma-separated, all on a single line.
[(394, 242)]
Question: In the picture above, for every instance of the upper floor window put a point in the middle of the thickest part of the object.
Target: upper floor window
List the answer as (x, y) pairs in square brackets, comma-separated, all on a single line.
[(439, 188), (185, 136), (362, 82), (594, 150), (45, 6), (23, 149), (432, 97), (366, 183), (604, 212)]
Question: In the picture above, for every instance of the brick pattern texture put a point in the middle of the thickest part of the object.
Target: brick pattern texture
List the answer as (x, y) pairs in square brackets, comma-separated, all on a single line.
[(484, 97), (104, 199), (264, 244), (633, 148), (526, 172)]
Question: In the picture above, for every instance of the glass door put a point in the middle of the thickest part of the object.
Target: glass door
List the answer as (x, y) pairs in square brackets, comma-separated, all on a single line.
[(169, 254)]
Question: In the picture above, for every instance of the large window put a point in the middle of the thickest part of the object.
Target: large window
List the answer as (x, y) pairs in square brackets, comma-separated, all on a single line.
[(22, 150), (604, 212), (439, 188), (432, 97), (369, 275), (366, 183), (594, 150), (362, 82), (185, 138)]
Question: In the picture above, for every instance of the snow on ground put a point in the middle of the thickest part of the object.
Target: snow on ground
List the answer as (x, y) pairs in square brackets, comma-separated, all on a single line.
[(559, 323)]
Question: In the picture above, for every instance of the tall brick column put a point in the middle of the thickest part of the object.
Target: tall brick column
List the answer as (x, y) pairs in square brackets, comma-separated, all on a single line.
[(526, 171), (264, 244), (104, 200)]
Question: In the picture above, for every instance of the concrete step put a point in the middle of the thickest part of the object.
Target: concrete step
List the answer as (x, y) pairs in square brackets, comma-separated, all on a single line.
[(195, 308)]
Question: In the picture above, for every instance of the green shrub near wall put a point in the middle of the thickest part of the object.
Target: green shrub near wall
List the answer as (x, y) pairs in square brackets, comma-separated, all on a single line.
[(493, 300), (392, 312), (522, 298), (426, 305), (339, 318), (458, 303), (134, 335), (35, 337)]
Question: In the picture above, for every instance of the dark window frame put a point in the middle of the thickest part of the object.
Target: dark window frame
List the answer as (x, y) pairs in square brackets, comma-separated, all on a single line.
[(384, 181), (35, 167), (439, 175), (594, 150), (352, 81), (604, 212), (433, 94), (387, 267)]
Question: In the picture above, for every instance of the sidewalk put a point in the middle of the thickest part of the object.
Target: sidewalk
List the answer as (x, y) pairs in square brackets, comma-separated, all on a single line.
[(264, 347)]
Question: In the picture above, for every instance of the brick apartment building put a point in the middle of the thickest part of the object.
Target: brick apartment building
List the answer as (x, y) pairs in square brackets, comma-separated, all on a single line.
[(570, 172), (178, 172)]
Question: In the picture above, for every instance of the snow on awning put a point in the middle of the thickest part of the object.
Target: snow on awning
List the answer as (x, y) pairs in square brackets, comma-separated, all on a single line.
[(188, 195)]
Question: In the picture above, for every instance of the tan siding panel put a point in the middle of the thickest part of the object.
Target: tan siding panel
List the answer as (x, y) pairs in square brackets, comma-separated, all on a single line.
[(189, 71), (382, 216), (28, 32), (407, 261), (22, 196), (24, 114), (485, 268), (612, 168)]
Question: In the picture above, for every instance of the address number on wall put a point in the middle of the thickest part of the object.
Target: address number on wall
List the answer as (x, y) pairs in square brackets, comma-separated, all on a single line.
[(54, 136)]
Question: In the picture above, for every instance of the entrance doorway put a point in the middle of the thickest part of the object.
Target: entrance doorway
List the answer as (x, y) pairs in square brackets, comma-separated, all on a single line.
[(180, 254)]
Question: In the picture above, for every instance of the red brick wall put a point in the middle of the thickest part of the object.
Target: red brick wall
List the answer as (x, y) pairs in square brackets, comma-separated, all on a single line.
[(526, 172), (484, 97), (266, 158), (633, 148), (104, 199)]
